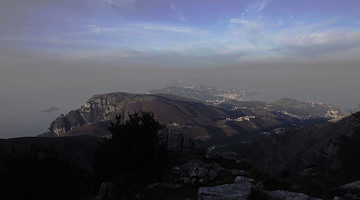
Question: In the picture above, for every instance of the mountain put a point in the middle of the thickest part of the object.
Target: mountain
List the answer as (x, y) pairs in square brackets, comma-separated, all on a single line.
[(321, 160), (210, 94), (201, 121), (232, 98), (331, 148), (301, 110), (267, 142)]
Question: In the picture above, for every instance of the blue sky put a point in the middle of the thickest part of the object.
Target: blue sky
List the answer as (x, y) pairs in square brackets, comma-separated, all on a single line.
[(58, 53), (141, 30)]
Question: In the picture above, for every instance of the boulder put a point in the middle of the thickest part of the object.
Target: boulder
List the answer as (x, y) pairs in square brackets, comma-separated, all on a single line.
[(177, 143), (351, 186), (220, 152), (235, 191), (198, 172), (240, 190), (242, 179), (285, 195), (350, 191), (237, 172), (105, 191)]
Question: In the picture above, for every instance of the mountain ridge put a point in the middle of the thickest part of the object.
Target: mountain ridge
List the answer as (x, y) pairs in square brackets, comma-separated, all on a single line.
[(202, 121)]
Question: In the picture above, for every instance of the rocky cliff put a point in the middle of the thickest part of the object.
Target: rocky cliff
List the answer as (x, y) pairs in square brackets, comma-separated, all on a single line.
[(94, 116)]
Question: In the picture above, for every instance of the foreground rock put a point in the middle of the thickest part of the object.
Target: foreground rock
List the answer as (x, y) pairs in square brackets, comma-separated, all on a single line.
[(351, 186), (105, 191), (285, 195), (245, 188), (240, 190), (177, 142), (197, 172), (350, 191)]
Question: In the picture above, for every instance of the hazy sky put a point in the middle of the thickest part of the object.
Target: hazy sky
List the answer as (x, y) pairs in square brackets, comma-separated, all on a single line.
[(58, 53)]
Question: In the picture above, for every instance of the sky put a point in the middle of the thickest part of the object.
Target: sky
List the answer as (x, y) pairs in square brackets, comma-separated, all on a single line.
[(55, 54)]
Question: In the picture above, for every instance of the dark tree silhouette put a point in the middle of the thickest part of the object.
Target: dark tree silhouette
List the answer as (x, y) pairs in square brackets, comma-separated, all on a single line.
[(133, 156), (38, 172)]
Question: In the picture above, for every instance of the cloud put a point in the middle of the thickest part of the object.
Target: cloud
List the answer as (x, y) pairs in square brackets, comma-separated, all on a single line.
[(249, 24), (276, 49), (322, 38), (260, 5), (118, 3), (209, 53), (173, 28), (95, 37), (311, 27), (318, 38), (141, 27), (94, 28), (239, 21), (252, 31), (255, 8), (178, 12), (321, 43), (280, 23), (122, 55), (297, 39)]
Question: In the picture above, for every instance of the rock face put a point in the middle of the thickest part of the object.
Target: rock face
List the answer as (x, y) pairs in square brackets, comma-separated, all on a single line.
[(225, 192), (96, 109), (245, 188), (351, 186), (285, 195), (105, 191), (350, 191), (240, 190), (94, 116), (177, 143), (201, 121), (216, 151), (196, 172)]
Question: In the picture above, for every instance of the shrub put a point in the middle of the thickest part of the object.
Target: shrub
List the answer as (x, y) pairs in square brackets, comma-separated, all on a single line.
[(40, 173), (132, 157)]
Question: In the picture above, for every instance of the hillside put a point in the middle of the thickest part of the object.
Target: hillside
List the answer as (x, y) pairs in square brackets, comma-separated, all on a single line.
[(199, 120), (78, 148), (211, 94), (327, 151), (232, 98)]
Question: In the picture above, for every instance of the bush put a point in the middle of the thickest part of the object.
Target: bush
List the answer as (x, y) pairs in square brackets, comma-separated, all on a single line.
[(39, 173), (133, 157)]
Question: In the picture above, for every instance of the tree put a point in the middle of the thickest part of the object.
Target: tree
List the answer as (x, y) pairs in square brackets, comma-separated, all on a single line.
[(39, 172), (133, 156)]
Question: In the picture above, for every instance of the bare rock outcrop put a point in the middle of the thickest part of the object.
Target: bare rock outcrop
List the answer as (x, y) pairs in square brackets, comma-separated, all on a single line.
[(285, 195), (240, 190)]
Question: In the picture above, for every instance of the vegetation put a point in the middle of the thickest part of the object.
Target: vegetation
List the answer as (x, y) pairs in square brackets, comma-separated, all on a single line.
[(39, 173), (132, 157)]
